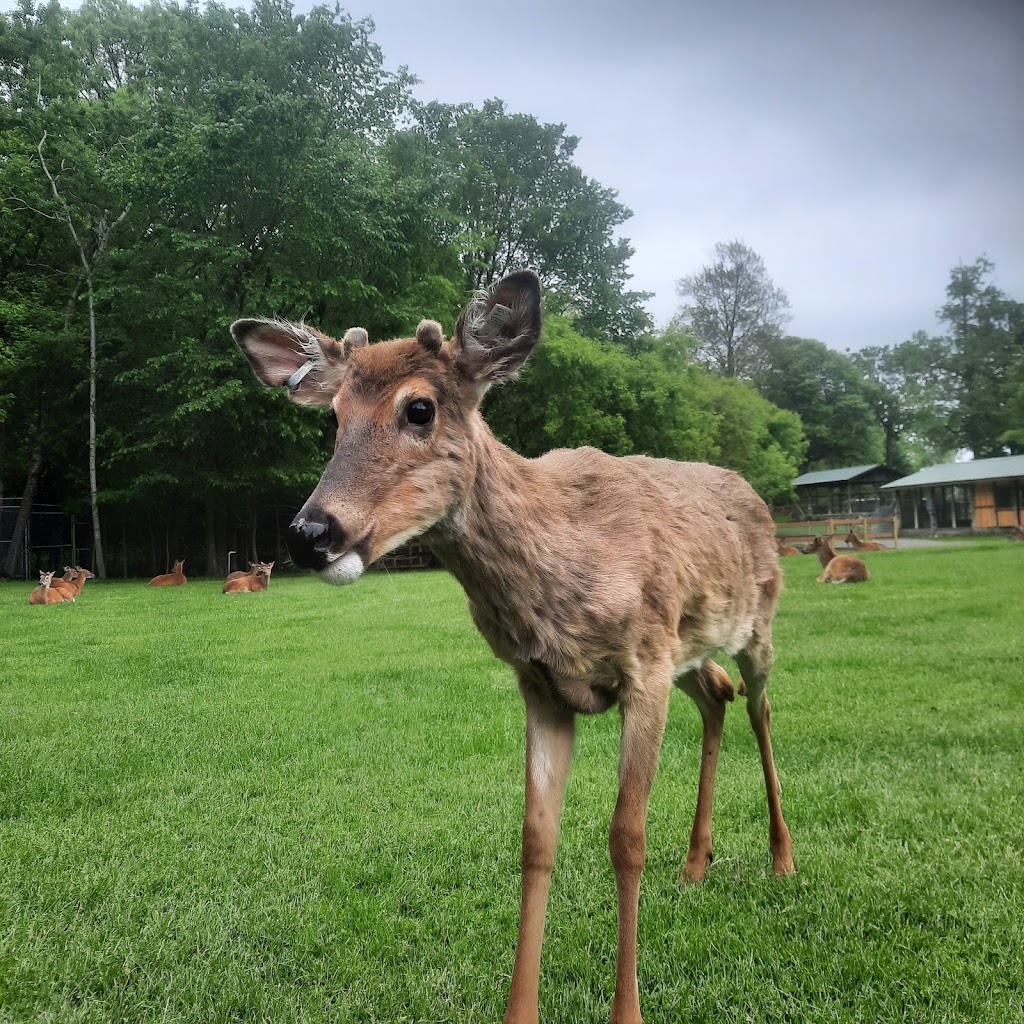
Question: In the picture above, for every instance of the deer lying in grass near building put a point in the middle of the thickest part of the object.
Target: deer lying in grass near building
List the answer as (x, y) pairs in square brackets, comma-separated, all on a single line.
[(175, 578), (45, 594), (838, 568), (1017, 533), (600, 580), (864, 545), (257, 579)]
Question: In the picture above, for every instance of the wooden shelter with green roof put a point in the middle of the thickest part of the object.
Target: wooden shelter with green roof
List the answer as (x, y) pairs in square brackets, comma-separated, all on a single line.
[(850, 491), (983, 494)]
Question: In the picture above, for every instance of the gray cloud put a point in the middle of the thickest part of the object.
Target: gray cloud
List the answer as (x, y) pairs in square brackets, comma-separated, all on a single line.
[(862, 149)]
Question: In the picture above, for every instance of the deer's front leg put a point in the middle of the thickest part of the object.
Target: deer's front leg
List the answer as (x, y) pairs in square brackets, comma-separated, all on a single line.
[(643, 724), (549, 741)]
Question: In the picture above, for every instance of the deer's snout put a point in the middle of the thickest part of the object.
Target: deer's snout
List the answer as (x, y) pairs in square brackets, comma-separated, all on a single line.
[(315, 538)]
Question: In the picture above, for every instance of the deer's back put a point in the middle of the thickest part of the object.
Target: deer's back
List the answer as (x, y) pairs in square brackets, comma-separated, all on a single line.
[(701, 518), (622, 555), (845, 569)]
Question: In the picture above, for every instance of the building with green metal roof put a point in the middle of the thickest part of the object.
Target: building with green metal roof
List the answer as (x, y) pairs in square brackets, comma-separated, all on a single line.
[(849, 491), (983, 494)]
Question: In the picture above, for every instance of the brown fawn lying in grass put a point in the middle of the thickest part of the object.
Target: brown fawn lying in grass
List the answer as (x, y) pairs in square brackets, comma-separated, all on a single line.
[(175, 578), (45, 593), (837, 568), (251, 582), (864, 545), (602, 581)]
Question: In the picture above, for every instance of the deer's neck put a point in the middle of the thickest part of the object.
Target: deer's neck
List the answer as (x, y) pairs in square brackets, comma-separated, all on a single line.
[(492, 529), (501, 541)]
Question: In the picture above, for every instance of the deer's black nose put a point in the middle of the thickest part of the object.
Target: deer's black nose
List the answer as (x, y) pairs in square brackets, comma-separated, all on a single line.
[(314, 539)]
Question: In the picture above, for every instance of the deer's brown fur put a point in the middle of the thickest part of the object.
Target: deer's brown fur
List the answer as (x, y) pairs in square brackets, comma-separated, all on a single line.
[(600, 580), (837, 568), (65, 585), (254, 581), (45, 594), (81, 575), (865, 545), (175, 578)]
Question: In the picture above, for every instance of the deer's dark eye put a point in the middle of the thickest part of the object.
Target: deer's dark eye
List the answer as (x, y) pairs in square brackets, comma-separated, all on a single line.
[(420, 412)]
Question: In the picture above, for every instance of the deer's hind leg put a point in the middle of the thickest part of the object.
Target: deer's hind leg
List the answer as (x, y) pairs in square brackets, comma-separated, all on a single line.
[(710, 688), (755, 664)]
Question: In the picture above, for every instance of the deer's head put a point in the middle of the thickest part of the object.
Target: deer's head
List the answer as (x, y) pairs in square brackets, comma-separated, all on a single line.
[(45, 578), (406, 411)]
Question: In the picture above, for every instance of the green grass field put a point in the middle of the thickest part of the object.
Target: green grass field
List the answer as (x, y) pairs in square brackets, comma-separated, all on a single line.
[(304, 806)]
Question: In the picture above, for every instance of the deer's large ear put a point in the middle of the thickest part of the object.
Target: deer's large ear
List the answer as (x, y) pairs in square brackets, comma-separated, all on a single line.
[(498, 330), (283, 354)]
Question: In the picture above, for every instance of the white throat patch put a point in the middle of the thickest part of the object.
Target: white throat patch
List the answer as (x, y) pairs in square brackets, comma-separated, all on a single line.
[(346, 569)]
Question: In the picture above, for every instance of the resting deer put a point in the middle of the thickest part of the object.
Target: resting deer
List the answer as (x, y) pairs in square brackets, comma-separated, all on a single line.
[(600, 580), (1017, 533), (785, 549), (257, 579), (838, 568), (864, 545), (239, 573), (65, 584), (45, 594), (175, 578), (81, 575)]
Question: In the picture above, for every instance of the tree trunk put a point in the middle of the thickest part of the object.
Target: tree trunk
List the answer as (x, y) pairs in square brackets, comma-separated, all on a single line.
[(28, 498), (212, 566), (3, 455), (99, 564)]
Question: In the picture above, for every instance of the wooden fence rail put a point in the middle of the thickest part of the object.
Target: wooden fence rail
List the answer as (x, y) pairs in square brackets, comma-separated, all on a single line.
[(866, 527)]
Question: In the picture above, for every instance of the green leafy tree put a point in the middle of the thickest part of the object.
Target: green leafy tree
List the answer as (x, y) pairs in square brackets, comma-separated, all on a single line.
[(577, 391), (263, 193), (828, 392), (734, 310), (907, 390), (763, 443), (512, 196), (983, 349)]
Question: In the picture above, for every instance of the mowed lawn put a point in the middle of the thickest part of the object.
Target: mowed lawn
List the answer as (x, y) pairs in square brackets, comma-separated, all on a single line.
[(305, 806)]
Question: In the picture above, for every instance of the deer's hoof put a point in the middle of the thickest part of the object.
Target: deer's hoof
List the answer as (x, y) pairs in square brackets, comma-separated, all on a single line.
[(696, 868)]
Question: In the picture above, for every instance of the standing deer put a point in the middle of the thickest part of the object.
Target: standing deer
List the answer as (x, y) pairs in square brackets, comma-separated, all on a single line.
[(600, 580), (45, 594), (252, 582), (175, 578), (837, 568), (864, 545)]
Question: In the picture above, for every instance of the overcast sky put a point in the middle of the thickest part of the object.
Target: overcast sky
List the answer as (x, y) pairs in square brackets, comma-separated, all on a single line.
[(862, 147)]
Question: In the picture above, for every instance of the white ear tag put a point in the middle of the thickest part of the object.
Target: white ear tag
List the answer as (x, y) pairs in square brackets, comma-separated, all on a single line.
[(296, 378), (495, 321)]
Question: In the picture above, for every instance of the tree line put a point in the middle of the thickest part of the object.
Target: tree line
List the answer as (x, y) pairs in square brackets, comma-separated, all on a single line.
[(165, 169)]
